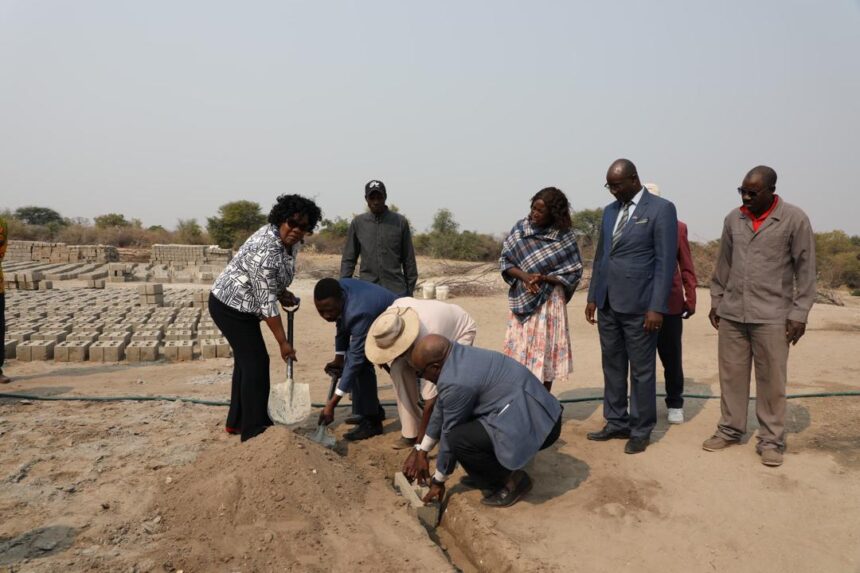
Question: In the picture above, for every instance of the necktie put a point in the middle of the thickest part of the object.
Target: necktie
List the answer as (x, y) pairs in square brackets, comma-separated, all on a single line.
[(621, 222)]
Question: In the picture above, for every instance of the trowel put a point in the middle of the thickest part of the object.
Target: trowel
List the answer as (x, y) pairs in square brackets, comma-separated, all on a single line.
[(321, 435), (289, 402)]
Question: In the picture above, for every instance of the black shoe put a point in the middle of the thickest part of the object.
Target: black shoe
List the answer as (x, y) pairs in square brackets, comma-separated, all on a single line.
[(354, 420), (636, 445), (366, 429), (504, 497), (608, 433)]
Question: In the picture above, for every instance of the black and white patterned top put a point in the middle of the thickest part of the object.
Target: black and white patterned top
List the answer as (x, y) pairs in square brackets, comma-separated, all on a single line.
[(258, 274)]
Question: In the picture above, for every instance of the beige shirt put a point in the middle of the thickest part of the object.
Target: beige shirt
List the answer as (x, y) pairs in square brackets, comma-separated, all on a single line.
[(768, 276)]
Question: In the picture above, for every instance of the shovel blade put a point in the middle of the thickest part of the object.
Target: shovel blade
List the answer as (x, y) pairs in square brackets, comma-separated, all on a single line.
[(321, 436), (289, 403)]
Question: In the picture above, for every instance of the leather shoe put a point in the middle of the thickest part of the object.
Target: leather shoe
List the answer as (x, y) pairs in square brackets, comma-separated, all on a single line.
[(608, 433), (366, 429), (504, 497), (636, 445)]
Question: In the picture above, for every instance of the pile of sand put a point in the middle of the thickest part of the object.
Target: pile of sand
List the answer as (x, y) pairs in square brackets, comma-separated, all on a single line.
[(281, 502)]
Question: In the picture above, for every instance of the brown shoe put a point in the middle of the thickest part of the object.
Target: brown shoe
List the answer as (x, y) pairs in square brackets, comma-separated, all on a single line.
[(771, 457), (717, 443), (403, 442)]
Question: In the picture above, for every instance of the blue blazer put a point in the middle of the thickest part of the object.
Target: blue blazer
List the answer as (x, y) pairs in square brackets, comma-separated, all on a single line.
[(636, 275), (363, 302), (512, 405)]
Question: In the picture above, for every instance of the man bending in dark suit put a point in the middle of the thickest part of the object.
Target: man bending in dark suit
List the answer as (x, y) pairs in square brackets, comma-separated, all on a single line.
[(630, 284), (492, 416)]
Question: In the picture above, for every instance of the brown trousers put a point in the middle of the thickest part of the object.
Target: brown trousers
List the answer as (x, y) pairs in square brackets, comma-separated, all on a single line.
[(740, 346)]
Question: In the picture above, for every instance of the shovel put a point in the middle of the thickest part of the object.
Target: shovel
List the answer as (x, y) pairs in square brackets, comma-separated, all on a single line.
[(322, 435), (289, 403)]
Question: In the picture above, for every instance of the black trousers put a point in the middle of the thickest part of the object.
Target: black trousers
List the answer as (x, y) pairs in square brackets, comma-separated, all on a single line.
[(473, 449), (2, 326), (669, 349), (249, 394)]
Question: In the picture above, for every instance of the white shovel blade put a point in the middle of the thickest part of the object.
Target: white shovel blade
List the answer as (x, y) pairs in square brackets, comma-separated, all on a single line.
[(289, 403)]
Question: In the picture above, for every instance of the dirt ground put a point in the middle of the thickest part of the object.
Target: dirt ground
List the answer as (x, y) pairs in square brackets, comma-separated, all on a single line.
[(158, 486)]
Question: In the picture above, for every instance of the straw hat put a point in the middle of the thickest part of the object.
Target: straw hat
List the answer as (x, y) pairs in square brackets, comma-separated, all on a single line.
[(652, 188), (391, 334)]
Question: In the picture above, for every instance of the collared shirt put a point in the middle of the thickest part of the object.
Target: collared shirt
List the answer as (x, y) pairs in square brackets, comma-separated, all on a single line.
[(384, 244), (757, 221), (4, 239), (258, 274), (633, 203), (437, 317), (765, 276), (363, 302)]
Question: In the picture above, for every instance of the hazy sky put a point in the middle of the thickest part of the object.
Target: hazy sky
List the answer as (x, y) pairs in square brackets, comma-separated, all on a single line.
[(167, 109)]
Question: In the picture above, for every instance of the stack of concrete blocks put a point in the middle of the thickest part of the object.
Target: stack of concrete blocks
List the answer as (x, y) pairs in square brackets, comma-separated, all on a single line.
[(46, 252), (151, 295)]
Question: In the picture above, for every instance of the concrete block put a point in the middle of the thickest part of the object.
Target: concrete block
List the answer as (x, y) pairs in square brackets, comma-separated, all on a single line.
[(178, 334), (115, 336), (428, 514), (19, 335), (107, 351), (41, 349), (50, 335), (142, 351), (208, 348), (179, 350)]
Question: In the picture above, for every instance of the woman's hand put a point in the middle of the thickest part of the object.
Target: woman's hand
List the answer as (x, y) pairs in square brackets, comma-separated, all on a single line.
[(287, 351)]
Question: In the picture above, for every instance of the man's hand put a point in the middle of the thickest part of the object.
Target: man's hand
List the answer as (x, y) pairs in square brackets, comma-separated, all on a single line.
[(653, 321), (288, 300), (417, 467), (327, 414), (335, 367), (688, 311), (437, 492), (287, 351), (715, 320), (793, 331), (590, 311)]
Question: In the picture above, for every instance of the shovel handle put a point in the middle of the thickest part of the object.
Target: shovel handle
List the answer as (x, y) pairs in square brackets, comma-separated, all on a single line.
[(334, 379), (290, 318)]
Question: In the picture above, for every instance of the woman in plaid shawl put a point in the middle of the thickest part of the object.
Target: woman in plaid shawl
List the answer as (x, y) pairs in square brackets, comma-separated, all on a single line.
[(540, 261)]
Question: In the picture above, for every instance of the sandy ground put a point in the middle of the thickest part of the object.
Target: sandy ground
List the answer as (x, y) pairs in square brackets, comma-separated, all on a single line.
[(158, 486)]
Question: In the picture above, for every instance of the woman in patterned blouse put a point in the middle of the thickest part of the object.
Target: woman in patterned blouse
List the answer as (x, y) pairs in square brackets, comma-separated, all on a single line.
[(249, 290)]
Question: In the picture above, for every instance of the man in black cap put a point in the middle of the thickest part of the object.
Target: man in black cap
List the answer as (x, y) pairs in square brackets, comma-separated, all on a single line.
[(384, 242)]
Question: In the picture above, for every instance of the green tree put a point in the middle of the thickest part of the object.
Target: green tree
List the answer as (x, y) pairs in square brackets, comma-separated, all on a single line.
[(189, 232), (39, 216), (444, 223), (111, 220), (586, 224), (235, 222)]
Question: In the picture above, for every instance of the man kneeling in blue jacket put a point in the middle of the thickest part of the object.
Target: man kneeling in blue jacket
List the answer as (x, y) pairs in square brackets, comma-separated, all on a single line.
[(492, 416)]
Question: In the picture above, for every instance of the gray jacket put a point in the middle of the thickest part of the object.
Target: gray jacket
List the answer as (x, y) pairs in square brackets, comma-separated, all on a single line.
[(511, 403)]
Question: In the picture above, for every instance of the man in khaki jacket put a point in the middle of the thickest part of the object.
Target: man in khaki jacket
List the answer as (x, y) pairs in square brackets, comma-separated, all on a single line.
[(761, 292)]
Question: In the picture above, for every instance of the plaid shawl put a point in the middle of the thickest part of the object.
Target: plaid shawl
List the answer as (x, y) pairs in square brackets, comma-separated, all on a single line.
[(545, 251)]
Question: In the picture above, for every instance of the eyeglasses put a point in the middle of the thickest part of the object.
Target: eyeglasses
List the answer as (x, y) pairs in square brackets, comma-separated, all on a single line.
[(618, 184), (303, 227)]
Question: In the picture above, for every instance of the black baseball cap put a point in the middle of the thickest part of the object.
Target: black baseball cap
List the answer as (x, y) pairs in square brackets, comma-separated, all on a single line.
[(374, 185)]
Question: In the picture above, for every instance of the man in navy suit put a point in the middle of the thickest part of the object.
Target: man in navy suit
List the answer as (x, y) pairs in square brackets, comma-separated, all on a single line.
[(492, 416), (630, 284)]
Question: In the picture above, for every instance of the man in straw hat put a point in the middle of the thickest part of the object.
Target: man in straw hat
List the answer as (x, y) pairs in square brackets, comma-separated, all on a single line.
[(389, 341)]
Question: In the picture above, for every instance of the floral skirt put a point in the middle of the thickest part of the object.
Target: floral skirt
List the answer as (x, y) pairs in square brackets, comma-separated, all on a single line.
[(542, 343)]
